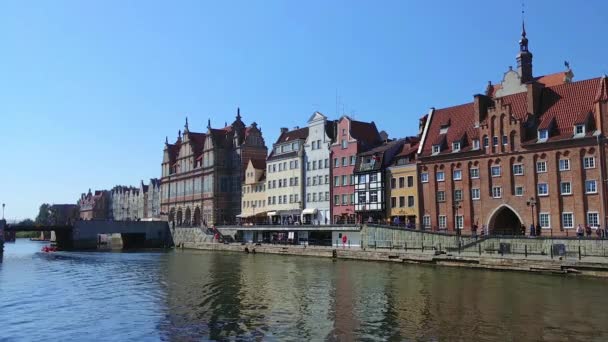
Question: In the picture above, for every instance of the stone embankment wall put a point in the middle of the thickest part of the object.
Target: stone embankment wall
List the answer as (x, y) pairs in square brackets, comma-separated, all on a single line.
[(190, 237)]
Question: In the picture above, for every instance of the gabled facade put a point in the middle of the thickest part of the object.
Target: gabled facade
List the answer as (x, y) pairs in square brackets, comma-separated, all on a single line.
[(370, 181), (253, 207), (528, 151), (402, 195), (318, 166), (94, 206), (352, 137), (285, 177), (202, 173)]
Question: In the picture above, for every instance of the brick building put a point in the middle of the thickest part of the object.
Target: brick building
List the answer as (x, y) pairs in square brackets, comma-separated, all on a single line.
[(352, 137), (202, 173), (95, 206), (529, 150)]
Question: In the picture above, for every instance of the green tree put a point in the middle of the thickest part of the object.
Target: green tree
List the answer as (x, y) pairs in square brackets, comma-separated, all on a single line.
[(26, 222), (44, 214)]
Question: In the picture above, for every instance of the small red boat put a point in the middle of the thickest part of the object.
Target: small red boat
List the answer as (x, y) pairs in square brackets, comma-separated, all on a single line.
[(48, 249)]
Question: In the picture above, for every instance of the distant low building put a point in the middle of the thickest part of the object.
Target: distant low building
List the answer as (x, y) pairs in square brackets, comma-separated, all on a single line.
[(130, 203)]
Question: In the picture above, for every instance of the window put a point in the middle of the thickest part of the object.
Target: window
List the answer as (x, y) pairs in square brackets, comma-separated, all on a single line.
[(567, 220), (475, 193), (373, 177), (326, 179), (393, 183), (541, 166), (336, 181), (353, 160), (352, 198), (314, 144), (495, 170), (459, 221), (410, 201), (344, 180), (327, 195), (543, 134), (393, 202), (436, 149), (543, 189), (344, 143), (564, 164), (362, 179), (426, 221), (401, 182), (457, 174), (440, 176), (476, 144), (565, 188), (544, 220), (344, 161), (495, 141), (496, 192), (373, 197), (343, 131), (352, 179), (424, 177), (456, 147), (440, 196), (589, 162), (401, 201), (319, 144), (295, 164), (519, 190), (486, 141), (590, 187), (344, 199), (474, 173), (410, 181), (336, 162), (336, 199), (518, 169), (458, 195), (579, 129), (505, 140), (442, 221), (307, 181), (314, 180), (593, 219)]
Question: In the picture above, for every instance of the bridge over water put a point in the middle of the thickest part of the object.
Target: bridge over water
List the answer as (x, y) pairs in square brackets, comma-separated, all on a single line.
[(84, 234)]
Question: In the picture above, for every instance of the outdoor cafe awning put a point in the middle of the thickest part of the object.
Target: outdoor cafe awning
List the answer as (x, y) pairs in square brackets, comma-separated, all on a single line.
[(272, 213), (309, 211)]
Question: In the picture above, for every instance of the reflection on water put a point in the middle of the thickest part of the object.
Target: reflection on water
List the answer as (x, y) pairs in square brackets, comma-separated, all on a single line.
[(194, 295)]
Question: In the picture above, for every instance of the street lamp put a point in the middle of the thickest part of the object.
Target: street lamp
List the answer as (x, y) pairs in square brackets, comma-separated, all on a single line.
[(531, 203), (3, 205)]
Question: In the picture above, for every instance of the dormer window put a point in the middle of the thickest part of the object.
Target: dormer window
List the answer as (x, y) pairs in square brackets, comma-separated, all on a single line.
[(443, 129), (456, 146), (579, 129), (476, 144), (436, 149), (543, 134)]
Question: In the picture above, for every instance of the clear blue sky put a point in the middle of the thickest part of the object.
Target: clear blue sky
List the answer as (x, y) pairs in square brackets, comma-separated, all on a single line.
[(90, 89)]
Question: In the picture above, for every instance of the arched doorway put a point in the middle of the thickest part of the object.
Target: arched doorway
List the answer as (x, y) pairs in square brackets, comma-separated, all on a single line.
[(188, 216), (505, 221), (179, 217), (197, 216)]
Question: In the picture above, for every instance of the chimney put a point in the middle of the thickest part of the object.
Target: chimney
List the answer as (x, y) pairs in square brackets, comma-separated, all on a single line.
[(533, 97), (284, 130), (481, 104)]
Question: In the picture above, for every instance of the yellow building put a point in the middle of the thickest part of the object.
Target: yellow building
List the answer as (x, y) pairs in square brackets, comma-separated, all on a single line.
[(402, 190), (253, 204)]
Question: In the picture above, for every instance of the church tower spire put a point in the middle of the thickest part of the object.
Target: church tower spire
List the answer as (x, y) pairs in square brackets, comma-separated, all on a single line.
[(524, 57)]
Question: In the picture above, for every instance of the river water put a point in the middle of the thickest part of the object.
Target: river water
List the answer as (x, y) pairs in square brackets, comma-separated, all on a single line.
[(197, 295)]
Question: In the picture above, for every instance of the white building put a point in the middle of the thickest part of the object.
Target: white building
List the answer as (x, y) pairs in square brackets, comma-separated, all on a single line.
[(318, 167), (284, 177)]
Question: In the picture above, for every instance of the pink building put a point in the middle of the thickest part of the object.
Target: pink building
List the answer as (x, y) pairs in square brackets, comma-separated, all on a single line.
[(352, 137)]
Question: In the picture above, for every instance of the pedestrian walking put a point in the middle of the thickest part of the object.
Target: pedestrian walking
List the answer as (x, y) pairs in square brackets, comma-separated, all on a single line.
[(579, 231), (588, 231), (538, 231), (532, 230), (523, 230)]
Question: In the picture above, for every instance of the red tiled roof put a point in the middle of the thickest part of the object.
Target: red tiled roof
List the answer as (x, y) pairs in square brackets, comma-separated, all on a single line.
[(602, 91), (564, 105), (366, 132), (463, 119), (552, 79), (300, 133), (259, 164)]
